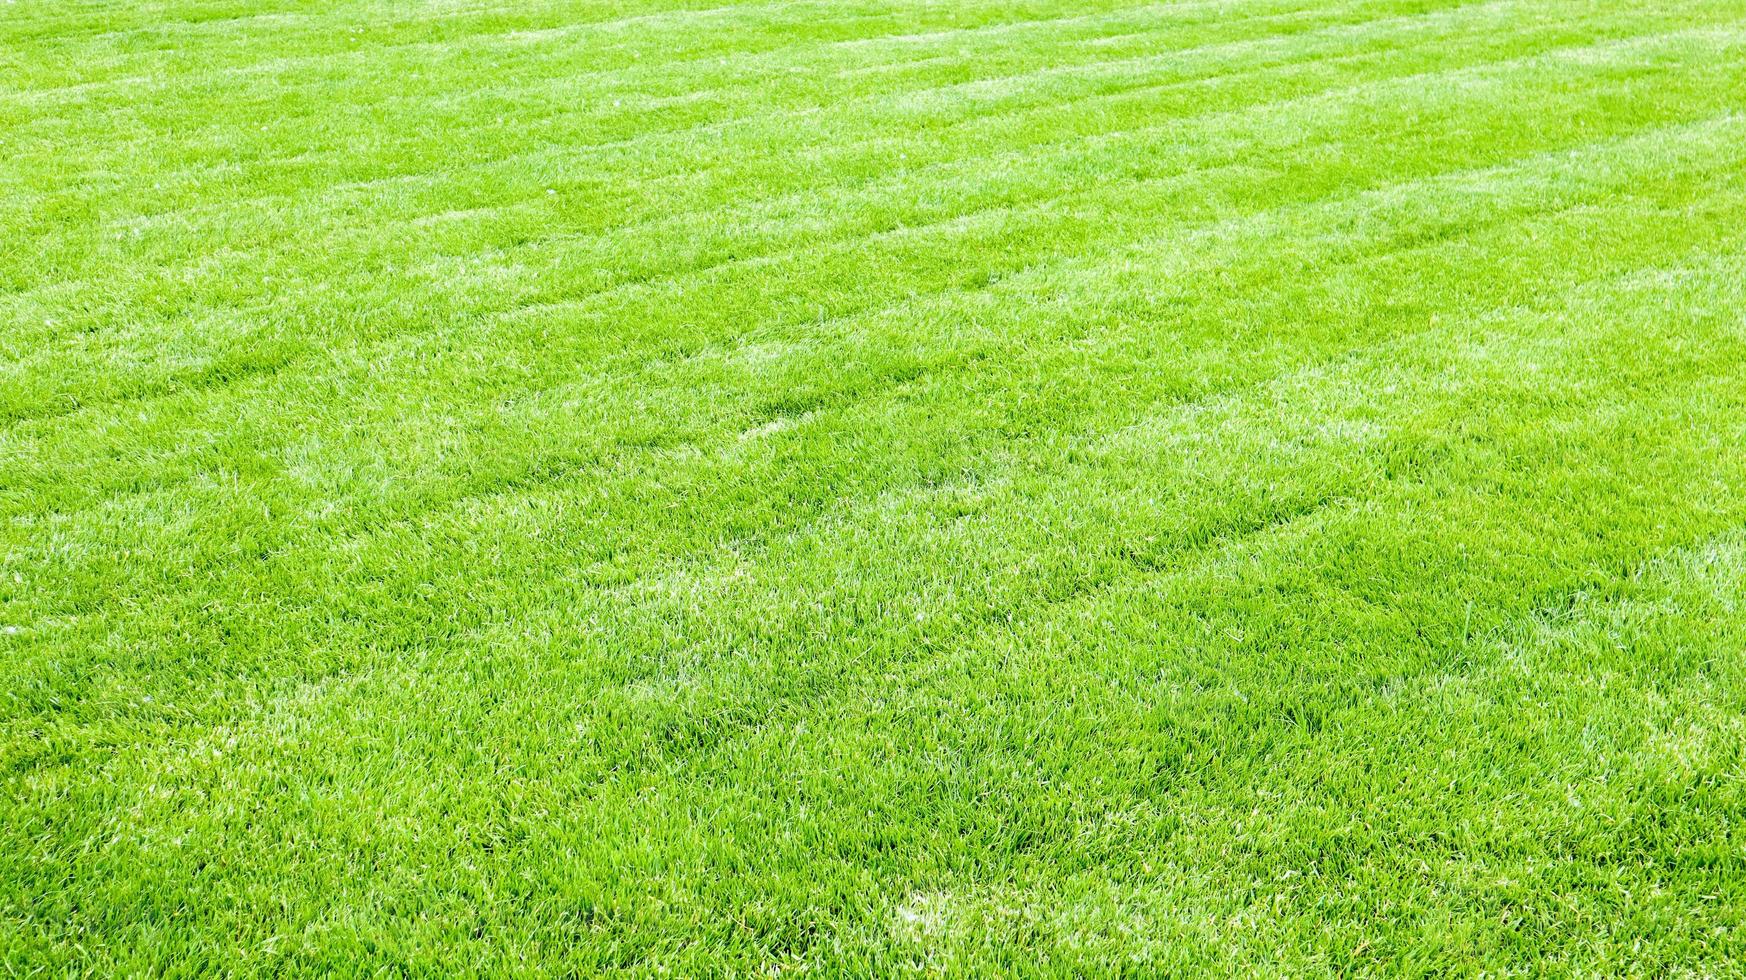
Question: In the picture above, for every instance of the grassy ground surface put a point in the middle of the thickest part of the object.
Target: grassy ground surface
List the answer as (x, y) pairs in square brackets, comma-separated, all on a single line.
[(1236, 486)]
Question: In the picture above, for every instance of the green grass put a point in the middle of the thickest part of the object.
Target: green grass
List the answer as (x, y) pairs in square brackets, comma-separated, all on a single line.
[(1203, 487)]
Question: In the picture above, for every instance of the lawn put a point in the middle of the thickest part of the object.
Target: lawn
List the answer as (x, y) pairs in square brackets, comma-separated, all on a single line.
[(859, 487)]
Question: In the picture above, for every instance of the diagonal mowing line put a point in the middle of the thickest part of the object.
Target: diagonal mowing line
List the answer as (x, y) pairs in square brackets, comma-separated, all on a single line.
[(1115, 574), (926, 374), (670, 134), (999, 160), (1233, 536), (55, 27), (678, 15), (1208, 400), (59, 286), (1017, 282), (632, 68), (493, 39), (1337, 695), (1554, 605), (63, 285), (1577, 49), (1202, 398), (1498, 170), (456, 638), (1247, 111), (894, 174), (532, 309)]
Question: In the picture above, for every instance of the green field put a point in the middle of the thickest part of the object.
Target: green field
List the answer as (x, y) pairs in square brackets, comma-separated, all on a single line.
[(1192, 488)]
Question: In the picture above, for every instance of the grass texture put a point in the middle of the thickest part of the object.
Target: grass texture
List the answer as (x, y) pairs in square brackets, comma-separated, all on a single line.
[(981, 488)]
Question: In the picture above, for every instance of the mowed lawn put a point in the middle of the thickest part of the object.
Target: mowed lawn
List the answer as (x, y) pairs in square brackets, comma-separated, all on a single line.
[(969, 487)]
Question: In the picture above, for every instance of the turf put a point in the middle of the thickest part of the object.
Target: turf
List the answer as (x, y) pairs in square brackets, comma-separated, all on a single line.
[(1235, 487)]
